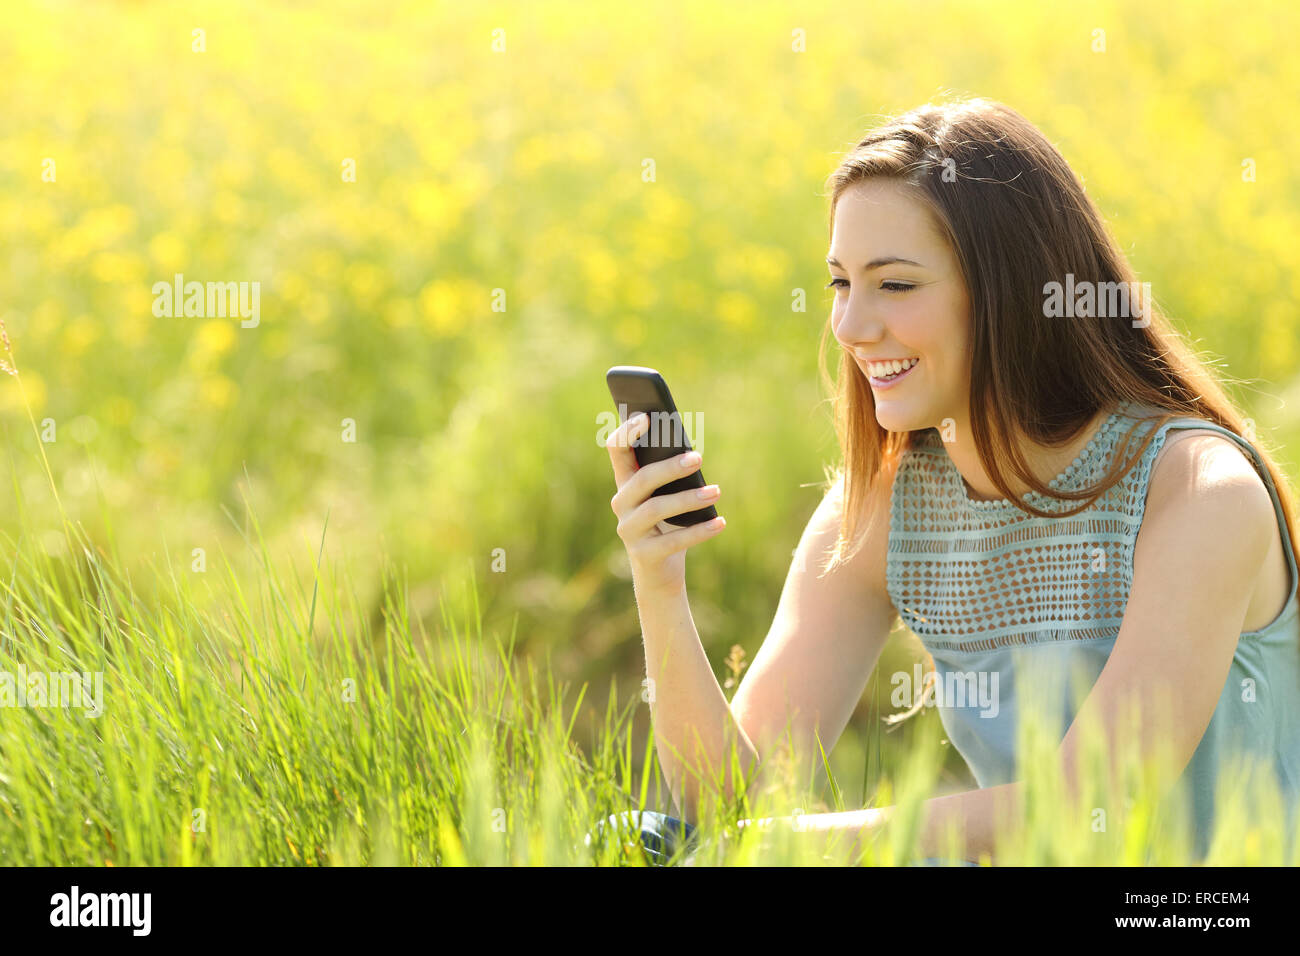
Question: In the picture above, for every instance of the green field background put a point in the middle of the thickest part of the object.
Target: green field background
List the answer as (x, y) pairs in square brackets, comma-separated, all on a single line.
[(482, 168)]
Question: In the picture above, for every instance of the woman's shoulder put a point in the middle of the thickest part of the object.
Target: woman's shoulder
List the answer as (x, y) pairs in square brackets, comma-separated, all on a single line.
[(1194, 463), (1197, 464), (1195, 457), (1204, 478)]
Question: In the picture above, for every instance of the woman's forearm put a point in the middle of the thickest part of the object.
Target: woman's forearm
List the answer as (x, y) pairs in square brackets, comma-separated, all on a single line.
[(694, 725), (693, 722)]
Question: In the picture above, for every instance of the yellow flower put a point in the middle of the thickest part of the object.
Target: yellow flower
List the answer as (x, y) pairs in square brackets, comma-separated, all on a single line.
[(432, 206), (586, 147), (168, 252), (664, 209), (736, 309), (217, 337), (227, 207), (1277, 339), (79, 334), (598, 266), (218, 391), (364, 280), (12, 390), (285, 165), (447, 304), (105, 225), (133, 329), (630, 332), (119, 410), (316, 307), (116, 267), (532, 154), (292, 288)]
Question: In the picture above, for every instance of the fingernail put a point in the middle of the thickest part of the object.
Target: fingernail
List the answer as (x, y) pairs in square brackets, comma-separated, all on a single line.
[(688, 459)]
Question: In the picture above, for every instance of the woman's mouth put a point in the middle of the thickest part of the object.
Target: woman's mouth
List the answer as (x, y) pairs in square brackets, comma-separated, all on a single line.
[(888, 374)]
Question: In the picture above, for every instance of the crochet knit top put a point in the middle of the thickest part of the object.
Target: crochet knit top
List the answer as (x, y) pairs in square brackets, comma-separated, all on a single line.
[(1011, 606)]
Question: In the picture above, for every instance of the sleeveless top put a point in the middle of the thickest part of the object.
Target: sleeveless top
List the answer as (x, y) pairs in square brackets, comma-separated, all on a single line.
[(1011, 605)]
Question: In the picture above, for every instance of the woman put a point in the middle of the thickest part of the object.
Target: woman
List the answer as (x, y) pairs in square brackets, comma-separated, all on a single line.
[(1037, 473)]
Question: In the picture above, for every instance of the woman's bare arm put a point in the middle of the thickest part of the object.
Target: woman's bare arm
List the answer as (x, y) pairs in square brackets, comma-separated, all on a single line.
[(824, 641), (811, 669)]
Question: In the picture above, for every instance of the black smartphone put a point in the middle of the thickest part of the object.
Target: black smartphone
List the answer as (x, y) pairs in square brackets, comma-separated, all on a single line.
[(638, 389)]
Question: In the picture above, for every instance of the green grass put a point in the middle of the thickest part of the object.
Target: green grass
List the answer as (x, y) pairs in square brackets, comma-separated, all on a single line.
[(518, 170), (267, 720), (256, 711)]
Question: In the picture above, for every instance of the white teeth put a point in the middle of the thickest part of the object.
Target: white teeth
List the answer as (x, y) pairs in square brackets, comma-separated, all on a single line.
[(885, 369)]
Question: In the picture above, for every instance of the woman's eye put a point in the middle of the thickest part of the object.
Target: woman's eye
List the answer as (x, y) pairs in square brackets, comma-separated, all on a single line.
[(889, 285)]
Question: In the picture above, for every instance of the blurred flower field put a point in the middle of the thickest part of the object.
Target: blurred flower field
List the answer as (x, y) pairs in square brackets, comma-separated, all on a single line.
[(541, 191)]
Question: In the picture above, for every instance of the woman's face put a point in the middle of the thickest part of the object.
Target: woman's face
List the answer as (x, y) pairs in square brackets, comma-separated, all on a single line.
[(899, 295)]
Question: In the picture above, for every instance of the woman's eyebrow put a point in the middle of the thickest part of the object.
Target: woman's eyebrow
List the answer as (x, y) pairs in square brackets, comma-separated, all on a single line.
[(876, 263)]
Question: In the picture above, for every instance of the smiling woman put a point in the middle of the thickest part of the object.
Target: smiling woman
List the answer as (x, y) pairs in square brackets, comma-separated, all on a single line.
[(952, 228), (1013, 489)]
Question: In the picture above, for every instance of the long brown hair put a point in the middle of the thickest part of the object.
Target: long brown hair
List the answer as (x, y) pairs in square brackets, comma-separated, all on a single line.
[(1017, 219)]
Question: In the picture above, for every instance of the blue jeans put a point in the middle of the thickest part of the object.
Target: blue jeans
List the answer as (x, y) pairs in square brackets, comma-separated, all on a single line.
[(662, 837)]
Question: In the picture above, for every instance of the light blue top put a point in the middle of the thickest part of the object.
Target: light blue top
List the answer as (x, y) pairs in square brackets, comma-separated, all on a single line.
[(996, 594)]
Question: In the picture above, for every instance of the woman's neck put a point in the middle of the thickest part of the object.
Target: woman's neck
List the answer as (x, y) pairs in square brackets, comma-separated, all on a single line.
[(1045, 461)]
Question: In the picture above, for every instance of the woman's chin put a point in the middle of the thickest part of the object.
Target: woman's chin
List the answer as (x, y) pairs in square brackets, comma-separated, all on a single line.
[(897, 416)]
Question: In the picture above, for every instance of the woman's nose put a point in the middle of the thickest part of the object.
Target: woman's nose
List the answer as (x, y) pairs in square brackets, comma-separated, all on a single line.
[(858, 331)]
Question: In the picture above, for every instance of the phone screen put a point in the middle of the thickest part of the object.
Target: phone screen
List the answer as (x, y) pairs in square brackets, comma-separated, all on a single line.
[(636, 388)]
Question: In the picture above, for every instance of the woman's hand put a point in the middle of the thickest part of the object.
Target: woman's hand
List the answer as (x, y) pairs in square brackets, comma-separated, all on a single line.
[(658, 560)]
